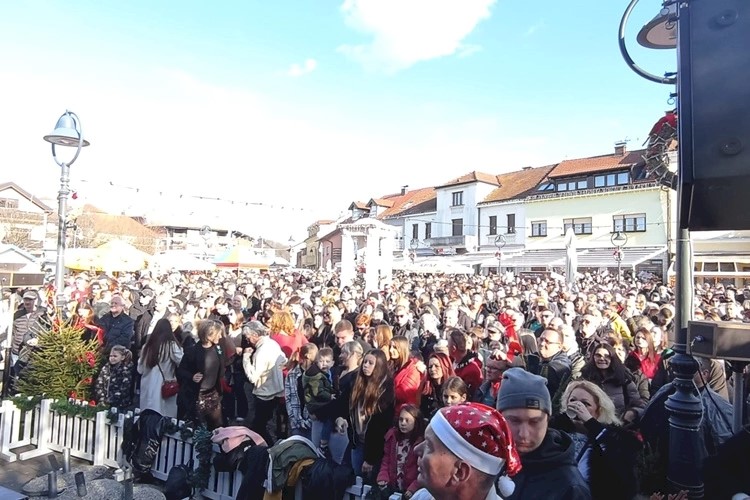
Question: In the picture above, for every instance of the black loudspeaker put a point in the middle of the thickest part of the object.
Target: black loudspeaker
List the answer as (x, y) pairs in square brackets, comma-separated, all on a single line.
[(714, 113)]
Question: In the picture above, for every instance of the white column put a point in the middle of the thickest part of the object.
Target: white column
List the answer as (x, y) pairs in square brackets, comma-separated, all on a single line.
[(386, 261), (347, 258), (372, 261)]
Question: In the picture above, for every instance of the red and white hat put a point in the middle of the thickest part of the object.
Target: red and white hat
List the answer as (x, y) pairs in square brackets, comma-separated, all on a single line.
[(480, 436)]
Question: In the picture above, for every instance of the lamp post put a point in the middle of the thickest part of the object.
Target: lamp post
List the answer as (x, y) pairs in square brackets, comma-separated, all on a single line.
[(291, 245), (619, 239), (499, 243), (414, 244), (672, 29), (68, 133)]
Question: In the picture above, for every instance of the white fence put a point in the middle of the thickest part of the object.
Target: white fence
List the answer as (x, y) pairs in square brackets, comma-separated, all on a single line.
[(99, 441)]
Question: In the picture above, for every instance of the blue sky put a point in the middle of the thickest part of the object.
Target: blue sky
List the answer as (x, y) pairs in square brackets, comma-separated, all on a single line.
[(313, 103)]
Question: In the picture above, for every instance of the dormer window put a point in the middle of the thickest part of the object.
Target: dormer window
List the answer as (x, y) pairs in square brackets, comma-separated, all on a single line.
[(613, 179), (547, 186), (571, 185)]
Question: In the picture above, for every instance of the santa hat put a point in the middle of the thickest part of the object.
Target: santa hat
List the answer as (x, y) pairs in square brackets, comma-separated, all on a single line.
[(480, 436)]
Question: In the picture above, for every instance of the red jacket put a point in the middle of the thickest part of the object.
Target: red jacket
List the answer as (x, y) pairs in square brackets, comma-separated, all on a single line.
[(390, 460), (406, 384)]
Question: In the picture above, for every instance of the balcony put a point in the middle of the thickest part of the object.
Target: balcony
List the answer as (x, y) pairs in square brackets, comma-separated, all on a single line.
[(463, 241)]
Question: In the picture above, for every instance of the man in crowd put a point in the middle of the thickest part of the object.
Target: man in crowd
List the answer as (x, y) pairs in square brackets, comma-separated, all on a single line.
[(466, 448), (549, 469), (118, 327)]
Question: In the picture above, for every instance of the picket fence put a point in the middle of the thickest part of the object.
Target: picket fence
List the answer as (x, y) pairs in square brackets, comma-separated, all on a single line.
[(99, 441)]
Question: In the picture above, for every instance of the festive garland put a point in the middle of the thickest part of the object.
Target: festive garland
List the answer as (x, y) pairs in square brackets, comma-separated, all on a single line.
[(662, 139), (26, 403), (76, 408)]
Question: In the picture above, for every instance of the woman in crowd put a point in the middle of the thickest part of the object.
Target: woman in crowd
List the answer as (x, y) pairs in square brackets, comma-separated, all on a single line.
[(200, 374), (644, 350), (299, 418), (157, 364), (381, 339), (406, 376), (370, 413), (324, 337), (609, 373), (607, 454), (430, 393), (285, 334), (84, 319)]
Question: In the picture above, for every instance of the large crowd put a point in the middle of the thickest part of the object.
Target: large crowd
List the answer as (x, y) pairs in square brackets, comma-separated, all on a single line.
[(570, 383)]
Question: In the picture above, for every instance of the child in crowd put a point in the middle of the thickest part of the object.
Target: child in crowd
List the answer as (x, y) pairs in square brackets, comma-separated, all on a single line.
[(114, 385), (294, 393), (398, 472), (317, 383), (455, 391)]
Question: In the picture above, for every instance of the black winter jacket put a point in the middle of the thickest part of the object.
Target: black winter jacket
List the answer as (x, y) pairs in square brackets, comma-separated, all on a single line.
[(551, 472)]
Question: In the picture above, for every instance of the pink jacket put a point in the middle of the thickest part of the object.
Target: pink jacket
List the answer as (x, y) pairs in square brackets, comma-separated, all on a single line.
[(388, 466), (228, 438)]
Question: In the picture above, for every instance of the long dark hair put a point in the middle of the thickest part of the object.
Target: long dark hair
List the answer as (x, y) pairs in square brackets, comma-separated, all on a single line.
[(368, 390), (158, 343), (616, 370)]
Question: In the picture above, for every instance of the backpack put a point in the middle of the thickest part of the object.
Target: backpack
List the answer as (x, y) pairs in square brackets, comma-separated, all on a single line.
[(178, 484)]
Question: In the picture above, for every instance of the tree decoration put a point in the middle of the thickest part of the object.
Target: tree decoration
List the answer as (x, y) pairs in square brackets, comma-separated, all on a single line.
[(61, 365), (26, 403)]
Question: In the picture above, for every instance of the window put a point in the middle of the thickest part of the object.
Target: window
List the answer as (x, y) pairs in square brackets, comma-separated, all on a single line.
[(458, 199), (428, 230), (493, 224), (415, 231), (572, 185), (539, 228), (458, 227), (580, 226), (614, 179), (511, 224), (8, 203), (547, 186), (631, 223)]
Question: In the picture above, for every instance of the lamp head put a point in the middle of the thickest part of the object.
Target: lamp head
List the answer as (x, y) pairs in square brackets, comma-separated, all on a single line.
[(661, 31), (619, 239), (66, 132), (414, 244)]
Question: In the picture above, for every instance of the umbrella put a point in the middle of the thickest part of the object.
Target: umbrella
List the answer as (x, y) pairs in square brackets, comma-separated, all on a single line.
[(571, 259), (113, 256), (243, 258)]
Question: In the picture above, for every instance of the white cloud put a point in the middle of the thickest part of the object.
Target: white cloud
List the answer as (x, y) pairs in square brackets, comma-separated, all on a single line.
[(405, 32), (297, 70)]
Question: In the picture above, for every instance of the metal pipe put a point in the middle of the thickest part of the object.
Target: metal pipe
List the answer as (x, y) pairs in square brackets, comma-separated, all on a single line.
[(66, 460), (738, 400), (52, 484), (62, 208)]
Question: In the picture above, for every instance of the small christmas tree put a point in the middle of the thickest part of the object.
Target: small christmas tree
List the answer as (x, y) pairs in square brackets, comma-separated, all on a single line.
[(62, 364)]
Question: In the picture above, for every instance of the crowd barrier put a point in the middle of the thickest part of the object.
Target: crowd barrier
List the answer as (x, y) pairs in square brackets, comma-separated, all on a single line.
[(99, 440)]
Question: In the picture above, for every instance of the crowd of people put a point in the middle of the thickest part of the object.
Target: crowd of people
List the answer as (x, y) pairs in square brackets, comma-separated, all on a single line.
[(568, 386)]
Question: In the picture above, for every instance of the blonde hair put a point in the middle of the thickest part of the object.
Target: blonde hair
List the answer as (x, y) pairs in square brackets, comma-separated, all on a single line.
[(607, 412), (281, 321)]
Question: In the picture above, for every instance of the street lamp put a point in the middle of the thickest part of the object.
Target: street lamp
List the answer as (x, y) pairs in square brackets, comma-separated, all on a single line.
[(68, 133), (414, 244), (672, 29), (619, 240), (499, 243)]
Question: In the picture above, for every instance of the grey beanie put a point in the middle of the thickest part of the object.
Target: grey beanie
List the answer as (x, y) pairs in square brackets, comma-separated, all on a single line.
[(521, 389)]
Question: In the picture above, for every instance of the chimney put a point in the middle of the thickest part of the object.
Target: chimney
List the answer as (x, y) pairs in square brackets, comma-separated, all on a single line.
[(404, 188), (620, 148), (526, 168)]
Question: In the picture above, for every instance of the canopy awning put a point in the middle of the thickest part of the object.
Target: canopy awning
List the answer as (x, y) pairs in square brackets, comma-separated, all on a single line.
[(589, 257)]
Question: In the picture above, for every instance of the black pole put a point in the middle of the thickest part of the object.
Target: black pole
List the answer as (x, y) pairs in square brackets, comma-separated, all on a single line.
[(684, 405)]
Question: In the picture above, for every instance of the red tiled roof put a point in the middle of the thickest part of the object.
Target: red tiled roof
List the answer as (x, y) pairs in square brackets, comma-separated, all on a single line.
[(592, 164), (381, 202), (360, 205), (401, 203), (472, 177), (515, 184)]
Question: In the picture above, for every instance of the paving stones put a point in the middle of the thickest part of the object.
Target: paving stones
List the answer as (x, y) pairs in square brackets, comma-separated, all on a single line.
[(38, 486)]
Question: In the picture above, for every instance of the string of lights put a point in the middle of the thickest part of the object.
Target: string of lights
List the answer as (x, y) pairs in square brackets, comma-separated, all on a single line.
[(184, 196)]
